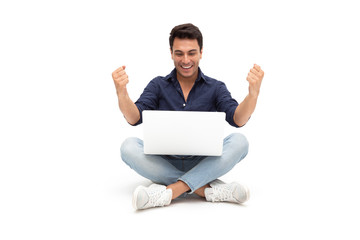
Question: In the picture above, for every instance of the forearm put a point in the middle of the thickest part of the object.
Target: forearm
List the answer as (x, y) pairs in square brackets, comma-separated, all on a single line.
[(244, 110), (247, 106), (128, 109)]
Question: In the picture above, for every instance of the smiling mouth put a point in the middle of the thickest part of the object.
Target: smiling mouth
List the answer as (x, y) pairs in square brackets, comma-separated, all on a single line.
[(186, 67)]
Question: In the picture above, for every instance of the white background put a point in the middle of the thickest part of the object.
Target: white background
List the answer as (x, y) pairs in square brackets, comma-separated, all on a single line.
[(61, 176)]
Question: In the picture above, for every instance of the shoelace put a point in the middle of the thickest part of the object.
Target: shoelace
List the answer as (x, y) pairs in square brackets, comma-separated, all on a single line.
[(223, 192), (157, 196)]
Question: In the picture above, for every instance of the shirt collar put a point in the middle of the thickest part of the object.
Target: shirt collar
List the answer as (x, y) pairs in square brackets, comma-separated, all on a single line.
[(172, 76)]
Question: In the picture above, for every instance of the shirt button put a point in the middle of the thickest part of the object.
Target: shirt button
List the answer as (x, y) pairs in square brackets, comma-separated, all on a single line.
[(184, 105)]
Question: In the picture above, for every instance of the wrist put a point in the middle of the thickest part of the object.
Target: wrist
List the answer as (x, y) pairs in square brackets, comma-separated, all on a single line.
[(253, 96), (121, 93)]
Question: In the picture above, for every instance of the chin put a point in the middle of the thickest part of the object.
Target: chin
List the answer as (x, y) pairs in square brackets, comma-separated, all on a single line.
[(185, 73)]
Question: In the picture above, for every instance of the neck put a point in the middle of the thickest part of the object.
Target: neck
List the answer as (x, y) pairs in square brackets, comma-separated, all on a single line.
[(187, 80)]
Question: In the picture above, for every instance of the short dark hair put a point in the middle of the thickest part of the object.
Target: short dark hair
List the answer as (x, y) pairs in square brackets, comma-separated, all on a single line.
[(186, 31)]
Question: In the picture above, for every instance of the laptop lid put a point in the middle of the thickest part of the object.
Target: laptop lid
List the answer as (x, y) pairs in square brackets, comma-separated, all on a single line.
[(183, 132)]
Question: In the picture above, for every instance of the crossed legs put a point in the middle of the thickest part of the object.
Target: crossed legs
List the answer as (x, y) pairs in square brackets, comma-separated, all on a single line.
[(198, 171)]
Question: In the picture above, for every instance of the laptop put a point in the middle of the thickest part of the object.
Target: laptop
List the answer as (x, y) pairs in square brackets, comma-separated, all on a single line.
[(183, 132)]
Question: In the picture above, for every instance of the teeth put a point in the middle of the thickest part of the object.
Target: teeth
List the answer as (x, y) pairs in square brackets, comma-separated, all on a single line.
[(186, 67)]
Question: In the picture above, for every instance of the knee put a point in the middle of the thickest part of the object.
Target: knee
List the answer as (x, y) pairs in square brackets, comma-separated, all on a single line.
[(239, 144), (129, 148)]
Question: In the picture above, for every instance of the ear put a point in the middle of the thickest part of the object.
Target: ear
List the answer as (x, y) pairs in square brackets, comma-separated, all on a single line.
[(172, 57), (201, 51)]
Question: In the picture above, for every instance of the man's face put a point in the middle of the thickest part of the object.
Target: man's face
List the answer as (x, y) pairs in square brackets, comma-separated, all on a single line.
[(186, 55)]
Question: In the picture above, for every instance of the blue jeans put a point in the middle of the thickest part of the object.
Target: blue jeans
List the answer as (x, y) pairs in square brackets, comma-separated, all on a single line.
[(195, 171)]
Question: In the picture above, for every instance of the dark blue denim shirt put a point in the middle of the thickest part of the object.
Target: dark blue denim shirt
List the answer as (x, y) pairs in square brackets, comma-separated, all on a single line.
[(207, 94)]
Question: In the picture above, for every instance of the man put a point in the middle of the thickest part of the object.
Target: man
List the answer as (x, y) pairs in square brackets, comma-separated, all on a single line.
[(186, 88)]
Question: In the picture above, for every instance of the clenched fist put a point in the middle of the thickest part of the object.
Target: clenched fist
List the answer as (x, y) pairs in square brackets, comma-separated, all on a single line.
[(255, 78), (121, 80)]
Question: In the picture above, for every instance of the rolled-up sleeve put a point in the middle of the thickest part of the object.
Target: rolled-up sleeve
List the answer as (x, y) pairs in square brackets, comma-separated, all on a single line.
[(225, 103), (148, 99)]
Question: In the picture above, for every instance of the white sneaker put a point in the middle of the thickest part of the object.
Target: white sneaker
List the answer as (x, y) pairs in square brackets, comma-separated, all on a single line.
[(227, 192), (153, 196)]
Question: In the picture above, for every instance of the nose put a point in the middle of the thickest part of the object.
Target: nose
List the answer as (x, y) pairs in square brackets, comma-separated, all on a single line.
[(186, 59)]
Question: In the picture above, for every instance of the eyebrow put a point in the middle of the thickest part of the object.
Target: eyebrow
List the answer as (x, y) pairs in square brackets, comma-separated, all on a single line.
[(179, 51)]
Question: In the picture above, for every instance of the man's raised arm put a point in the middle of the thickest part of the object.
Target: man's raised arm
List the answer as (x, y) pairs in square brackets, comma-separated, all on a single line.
[(126, 105), (247, 106)]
